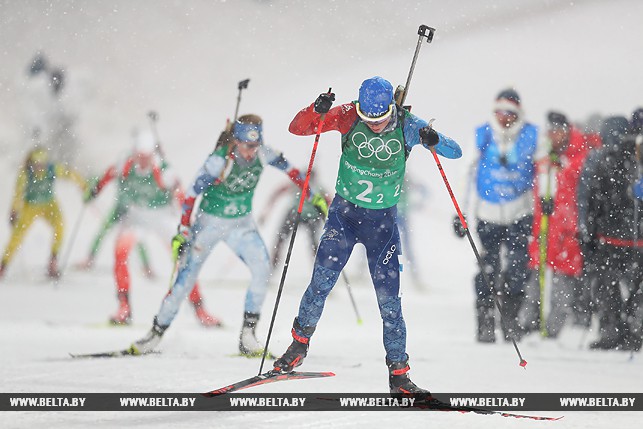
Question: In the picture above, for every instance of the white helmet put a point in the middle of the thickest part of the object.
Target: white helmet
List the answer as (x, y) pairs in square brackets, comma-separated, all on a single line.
[(145, 143)]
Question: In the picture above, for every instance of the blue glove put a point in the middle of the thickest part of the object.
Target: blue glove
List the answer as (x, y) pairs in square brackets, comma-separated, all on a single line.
[(637, 189)]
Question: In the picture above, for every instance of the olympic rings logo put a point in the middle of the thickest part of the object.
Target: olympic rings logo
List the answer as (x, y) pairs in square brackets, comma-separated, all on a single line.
[(245, 180), (383, 150)]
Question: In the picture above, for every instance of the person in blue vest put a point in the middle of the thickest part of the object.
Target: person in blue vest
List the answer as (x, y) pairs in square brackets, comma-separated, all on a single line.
[(504, 212)]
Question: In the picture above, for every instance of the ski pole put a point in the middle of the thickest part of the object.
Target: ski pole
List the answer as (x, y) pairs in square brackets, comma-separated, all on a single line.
[(523, 362), (320, 126), (350, 294), (422, 32), (154, 117), (241, 86), (225, 135), (543, 238), (65, 260)]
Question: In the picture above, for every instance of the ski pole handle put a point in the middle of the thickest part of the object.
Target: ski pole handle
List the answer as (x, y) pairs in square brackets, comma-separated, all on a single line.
[(243, 84), (422, 32), (320, 125)]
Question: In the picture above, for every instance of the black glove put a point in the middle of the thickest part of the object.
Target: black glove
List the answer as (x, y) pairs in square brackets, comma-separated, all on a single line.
[(458, 228), (547, 206), (90, 193), (13, 217), (586, 242), (429, 137), (503, 160), (324, 102), (588, 250)]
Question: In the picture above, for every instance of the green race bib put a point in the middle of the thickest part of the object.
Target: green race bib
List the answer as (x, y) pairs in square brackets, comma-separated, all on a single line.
[(372, 166), (141, 190), (40, 186), (232, 197)]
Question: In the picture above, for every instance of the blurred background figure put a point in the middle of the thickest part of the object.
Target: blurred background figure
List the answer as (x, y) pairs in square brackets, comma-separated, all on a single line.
[(610, 230), (47, 114), (34, 197), (116, 214), (504, 212), (311, 218), (148, 189), (591, 128), (555, 244)]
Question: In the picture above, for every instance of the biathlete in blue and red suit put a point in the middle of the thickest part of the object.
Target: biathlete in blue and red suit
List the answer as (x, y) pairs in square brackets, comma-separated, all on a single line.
[(377, 138)]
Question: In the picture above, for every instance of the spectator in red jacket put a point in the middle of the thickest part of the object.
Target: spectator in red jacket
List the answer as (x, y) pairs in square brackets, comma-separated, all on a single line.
[(555, 200)]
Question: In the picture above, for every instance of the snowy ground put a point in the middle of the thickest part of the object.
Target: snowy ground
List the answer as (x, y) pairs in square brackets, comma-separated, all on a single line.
[(184, 61), (41, 323)]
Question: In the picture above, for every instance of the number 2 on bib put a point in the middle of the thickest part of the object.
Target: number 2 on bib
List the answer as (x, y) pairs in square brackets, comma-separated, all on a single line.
[(363, 196)]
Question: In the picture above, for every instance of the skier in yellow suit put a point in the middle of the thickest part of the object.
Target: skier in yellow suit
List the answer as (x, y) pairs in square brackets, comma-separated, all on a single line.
[(34, 197)]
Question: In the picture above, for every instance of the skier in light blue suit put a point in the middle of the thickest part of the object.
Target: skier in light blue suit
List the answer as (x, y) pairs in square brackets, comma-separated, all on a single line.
[(226, 182)]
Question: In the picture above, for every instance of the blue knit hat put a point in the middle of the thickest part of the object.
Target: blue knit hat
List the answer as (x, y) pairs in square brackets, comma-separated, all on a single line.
[(375, 99), (247, 133)]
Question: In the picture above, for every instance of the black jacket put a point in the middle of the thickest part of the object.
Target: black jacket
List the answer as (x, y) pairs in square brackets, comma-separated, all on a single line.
[(613, 213)]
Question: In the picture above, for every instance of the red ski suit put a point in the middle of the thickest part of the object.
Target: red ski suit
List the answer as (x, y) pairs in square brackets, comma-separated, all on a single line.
[(563, 250)]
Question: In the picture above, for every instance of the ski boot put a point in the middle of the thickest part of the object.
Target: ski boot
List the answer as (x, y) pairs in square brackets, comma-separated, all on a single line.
[(123, 316), (52, 271), (630, 342), (85, 265), (148, 343), (400, 384), (249, 346), (206, 318), (297, 351), (606, 343), (611, 332)]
